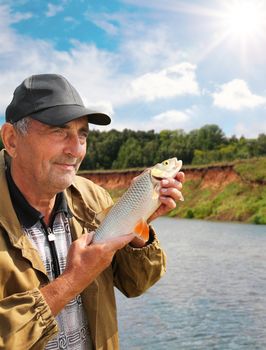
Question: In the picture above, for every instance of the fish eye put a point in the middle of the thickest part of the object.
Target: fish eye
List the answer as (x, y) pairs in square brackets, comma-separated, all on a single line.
[(166, 162)]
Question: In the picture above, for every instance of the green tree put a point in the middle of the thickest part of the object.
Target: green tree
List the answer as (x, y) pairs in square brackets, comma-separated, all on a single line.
[(261, 145), (227, 153), (150, 153), (130, 155), (208, 137)]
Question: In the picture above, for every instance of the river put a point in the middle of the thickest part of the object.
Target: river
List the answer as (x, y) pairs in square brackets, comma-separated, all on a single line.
[(213, 295)]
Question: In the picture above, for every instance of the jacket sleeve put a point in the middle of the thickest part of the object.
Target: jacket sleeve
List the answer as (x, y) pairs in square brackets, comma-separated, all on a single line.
[(25, 321), (137, 269)]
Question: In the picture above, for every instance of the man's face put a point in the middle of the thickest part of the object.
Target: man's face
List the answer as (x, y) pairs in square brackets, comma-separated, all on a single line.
[(50, 156)]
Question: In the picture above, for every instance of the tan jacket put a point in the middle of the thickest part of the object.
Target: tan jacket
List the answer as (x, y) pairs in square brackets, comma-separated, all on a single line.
[(26, 321)]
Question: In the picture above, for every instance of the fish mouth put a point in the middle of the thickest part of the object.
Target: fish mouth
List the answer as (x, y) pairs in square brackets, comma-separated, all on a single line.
[(158, 178)]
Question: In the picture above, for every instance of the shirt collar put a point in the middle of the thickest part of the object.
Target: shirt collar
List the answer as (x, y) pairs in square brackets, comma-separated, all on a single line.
[(27, 215)]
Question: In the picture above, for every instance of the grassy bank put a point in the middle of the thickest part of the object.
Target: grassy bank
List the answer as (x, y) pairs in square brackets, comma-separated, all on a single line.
[(237, 202), (243, 200)]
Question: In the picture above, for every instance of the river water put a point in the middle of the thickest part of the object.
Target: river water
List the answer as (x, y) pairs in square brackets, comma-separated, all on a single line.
[(213, 295)]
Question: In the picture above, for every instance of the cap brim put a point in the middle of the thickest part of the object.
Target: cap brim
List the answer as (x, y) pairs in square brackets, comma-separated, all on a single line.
[(60, 115)]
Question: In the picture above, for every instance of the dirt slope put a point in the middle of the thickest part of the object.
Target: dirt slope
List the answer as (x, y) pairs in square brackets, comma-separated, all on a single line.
[(214, 177)]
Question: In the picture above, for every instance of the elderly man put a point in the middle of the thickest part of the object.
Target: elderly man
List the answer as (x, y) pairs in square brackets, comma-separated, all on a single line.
[(57, 288)]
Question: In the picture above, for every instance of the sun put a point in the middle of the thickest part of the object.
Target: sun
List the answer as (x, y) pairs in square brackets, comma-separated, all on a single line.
[(237, 26), (243, 20)]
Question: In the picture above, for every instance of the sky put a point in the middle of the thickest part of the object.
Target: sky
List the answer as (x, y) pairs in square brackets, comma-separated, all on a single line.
[(151, 65)]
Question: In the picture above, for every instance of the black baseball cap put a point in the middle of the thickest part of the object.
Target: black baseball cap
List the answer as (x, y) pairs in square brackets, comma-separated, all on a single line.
[(50, 99)]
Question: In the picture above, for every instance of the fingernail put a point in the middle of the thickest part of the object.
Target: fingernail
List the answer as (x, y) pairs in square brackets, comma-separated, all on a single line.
[(164, 190), (165, 182)]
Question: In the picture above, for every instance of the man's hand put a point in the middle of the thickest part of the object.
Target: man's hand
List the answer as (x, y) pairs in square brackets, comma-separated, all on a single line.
[(85, 262), (170, 193)]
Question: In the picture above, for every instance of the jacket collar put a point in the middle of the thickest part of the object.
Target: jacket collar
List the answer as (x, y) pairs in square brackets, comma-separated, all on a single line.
[(8, 217), (27, 215)]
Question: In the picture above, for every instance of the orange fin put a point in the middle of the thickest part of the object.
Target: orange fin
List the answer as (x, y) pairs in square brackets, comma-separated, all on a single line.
[(142, 230)]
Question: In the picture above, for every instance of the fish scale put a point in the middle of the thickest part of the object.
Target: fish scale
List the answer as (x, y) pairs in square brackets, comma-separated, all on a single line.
[(130, 206), (137, 203)]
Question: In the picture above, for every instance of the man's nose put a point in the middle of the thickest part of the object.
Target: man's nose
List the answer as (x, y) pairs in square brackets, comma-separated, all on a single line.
[(75, 146)]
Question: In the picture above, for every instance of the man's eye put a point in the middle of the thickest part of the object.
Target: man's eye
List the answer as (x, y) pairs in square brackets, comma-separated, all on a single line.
[(59, 131), (83, 134)]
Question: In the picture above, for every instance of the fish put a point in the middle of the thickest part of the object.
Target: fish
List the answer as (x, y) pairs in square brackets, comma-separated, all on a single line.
[(131, 212)]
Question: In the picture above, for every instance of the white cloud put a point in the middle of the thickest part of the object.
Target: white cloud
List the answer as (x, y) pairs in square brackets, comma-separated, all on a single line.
[(8, 18), (17, 17), (171, 117), (236, 95), (106, 26), (177, 80), (102, 106), (53, 10), (251, 129), (71, 20), (173, 6), (107, 22)]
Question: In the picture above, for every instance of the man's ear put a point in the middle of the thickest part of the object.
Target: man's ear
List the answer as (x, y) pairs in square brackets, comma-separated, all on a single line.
[(9, 137)]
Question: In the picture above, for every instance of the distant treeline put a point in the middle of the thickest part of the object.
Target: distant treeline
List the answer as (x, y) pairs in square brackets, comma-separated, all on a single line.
[(130, 149)]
